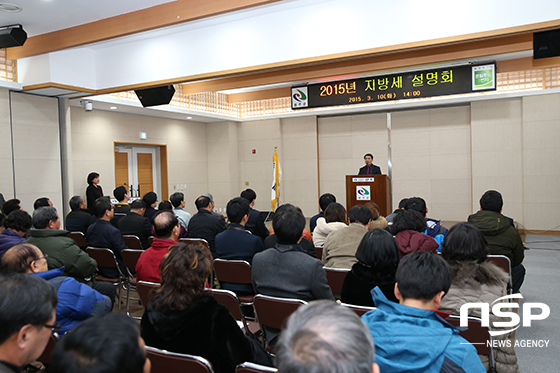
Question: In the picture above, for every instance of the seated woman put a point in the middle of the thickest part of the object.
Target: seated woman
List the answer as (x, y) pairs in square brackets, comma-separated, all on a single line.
[(475, 281), (182, 318), (378, 259), (335, 218), (407, 229), (378, 221)]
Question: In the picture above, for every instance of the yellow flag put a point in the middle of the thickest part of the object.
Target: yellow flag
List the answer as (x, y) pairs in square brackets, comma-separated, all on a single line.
[(276, 177)]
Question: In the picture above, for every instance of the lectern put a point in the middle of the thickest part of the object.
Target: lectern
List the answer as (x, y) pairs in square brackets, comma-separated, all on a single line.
[(361, 189)]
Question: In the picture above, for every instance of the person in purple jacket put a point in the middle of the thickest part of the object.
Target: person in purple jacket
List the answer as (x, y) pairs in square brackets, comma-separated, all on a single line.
[(16, 226)]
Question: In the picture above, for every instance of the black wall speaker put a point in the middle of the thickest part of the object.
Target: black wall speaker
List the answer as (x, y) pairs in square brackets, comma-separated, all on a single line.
[(155, 96), (546, 44), (12, 36)]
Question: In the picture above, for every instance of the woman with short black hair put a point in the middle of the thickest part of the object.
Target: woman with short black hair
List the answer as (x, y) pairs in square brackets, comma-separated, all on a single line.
[(93, 191)]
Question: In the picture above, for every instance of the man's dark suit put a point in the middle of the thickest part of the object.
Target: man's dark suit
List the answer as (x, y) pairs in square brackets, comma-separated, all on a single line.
[(103, 234), (205, 224), (256, 225), (136, 225), (285, 271), (373, 170), (235, 243), (79, 221)]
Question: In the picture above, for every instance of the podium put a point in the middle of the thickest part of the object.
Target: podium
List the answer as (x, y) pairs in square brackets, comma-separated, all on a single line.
[(361, 189)]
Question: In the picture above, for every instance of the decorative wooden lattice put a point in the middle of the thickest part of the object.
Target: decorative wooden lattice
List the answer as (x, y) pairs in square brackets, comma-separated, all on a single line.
[(8, 70)]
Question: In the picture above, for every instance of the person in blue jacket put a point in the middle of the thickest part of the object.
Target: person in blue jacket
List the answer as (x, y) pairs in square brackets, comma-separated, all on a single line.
[(412, 336), (76, 301)]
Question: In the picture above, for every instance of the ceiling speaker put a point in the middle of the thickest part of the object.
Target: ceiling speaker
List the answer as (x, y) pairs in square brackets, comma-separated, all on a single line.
[(12, 36), (155, 96)]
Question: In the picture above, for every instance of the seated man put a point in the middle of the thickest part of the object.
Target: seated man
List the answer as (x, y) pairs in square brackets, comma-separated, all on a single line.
[(236, 242), (11, 205), (205, 224), (79, 219), (62, 251), (411, 336), (103, 234), (324, 201), (503, 239), (255, 224), (42, 202), (134, 223), (177, 199), (27, 319), (285, 270), (76, 301), (433, 227), (392, 215), (122, 207), (167, 230), (341, 245), (16, 225), (323, 336), (110, 344)]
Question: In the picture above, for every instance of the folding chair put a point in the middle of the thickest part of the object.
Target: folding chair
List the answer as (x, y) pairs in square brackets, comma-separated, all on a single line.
[(478, 336), (503, 262), (145, 291), (273, 312), (187, 240), (133, 242), (235, 272), (230, 300), (106, 258), (335, 279), (360, 310), (79, 238), (319, 252), (254, 368), (165, 361), (150, 240), (130, 258)]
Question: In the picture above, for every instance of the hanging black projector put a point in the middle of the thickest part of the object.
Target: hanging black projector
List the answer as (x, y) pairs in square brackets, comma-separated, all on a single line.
[(12, 36)]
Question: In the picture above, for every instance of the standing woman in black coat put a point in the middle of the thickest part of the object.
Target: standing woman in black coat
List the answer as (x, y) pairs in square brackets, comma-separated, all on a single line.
[(93, 191)]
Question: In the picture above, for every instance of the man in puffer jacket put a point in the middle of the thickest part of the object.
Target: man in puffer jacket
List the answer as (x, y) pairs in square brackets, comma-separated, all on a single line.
[(503, 239), (76, 301), (16, 226)]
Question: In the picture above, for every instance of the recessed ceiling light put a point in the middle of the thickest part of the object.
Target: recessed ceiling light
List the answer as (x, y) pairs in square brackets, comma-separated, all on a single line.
[(113, 108), (10, 8), (189, 117)]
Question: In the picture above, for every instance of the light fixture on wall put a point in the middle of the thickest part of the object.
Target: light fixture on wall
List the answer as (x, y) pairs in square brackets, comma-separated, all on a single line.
[(87, 104)]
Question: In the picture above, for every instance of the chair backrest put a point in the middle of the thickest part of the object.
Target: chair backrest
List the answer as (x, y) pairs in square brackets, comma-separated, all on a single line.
[(165, 361), (145, 291), (187, 240), (103, 256), (229, 300), (360, 310), (130, 257), (132, 242), (254, 368), (476, 334), (335, 278), (272, 311), (234, 271), (150, 240), (502, 262), (79, 238), (319, 252)]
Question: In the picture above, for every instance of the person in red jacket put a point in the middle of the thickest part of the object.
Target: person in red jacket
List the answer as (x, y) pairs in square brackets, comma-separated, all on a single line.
[(167, 229)]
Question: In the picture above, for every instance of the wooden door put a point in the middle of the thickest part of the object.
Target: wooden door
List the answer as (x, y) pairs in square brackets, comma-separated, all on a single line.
[(121, 169), (145, 173)]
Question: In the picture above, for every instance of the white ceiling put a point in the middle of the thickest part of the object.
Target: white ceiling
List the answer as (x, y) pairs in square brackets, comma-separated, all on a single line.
[(43, 16)]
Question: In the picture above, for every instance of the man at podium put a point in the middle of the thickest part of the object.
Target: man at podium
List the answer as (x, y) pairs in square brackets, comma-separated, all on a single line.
[(369, 168)]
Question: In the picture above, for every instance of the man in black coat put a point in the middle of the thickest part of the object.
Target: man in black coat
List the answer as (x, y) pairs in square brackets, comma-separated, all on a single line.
[(79, 219), (255, 224), (205, 224), (369, 168), (136, 224)]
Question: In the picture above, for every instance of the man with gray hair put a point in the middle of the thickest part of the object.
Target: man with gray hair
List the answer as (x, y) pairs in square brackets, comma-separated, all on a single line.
[(322, 337), (79, 219), (63, 251)]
